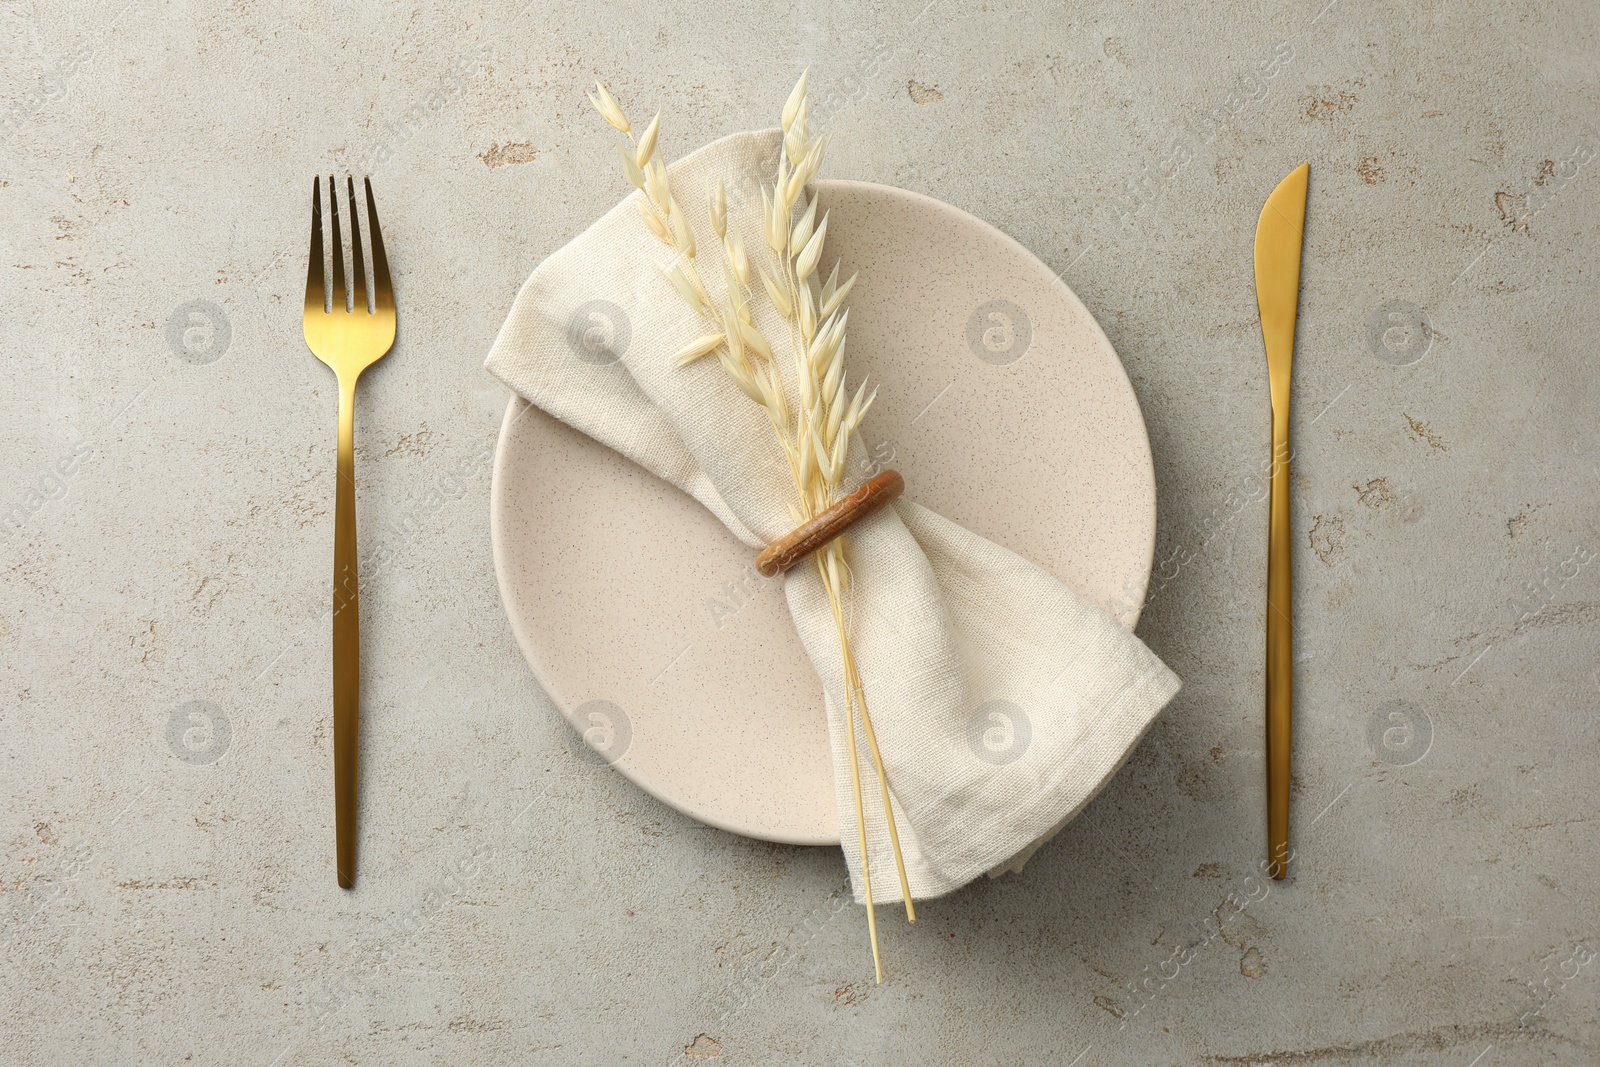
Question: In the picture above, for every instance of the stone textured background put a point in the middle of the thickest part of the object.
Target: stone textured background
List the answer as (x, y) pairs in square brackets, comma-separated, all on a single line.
[(168, 894)]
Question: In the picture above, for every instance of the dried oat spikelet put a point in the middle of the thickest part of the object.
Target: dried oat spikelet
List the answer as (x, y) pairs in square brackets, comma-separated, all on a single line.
[(703, 346), (719, 209), (791, 106), (647, 142), (601, 99)]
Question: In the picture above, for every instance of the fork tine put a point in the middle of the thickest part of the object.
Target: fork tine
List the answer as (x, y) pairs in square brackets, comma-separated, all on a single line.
[(359, 301), (382, 288), (316, 279), (340, 303)]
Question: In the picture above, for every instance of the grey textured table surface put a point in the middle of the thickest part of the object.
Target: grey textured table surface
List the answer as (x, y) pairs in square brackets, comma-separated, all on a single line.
[(168, 887)]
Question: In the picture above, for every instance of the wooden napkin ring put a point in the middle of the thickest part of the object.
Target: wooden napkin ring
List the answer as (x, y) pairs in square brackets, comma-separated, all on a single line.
[(800, 542)]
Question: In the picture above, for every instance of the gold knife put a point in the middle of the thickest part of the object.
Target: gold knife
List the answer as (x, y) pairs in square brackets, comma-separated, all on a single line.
[(1279, 236)]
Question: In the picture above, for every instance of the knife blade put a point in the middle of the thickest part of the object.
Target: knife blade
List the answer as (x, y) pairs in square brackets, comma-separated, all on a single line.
[(1280, 234)]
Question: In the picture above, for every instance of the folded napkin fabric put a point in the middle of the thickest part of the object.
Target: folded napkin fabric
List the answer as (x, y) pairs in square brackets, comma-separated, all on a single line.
[(1002, 700)]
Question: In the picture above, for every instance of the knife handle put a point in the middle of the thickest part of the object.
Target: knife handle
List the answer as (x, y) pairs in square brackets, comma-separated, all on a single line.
[(1280, 651)]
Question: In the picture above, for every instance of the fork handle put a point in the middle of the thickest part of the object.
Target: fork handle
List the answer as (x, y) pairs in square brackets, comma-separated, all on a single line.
[(346, 641)]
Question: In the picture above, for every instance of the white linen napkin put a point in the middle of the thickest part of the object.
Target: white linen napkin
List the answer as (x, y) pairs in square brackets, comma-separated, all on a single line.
[(1002, 700)]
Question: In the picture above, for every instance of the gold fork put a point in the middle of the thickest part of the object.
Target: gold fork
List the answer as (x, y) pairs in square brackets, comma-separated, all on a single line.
[(349, 337)]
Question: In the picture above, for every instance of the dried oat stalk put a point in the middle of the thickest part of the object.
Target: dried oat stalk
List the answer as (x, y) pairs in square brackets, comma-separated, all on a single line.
[(814, 429)]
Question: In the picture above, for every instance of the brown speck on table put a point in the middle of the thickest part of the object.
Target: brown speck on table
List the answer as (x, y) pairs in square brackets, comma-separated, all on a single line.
[(1327, 539), (1376, 494), (703, 1047), (1514, 211), (1421, 432), (1109, 1006), (1330, 104), (508, 154)]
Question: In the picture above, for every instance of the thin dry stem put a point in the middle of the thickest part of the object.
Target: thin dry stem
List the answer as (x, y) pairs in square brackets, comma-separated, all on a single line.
[(861, 818), (853, 680)]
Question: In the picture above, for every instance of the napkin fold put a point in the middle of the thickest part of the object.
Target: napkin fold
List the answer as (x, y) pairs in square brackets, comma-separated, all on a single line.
[(1002, 700)]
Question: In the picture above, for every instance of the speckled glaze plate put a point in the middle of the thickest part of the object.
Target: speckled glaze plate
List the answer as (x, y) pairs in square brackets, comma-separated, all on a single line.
[(1002, 403)]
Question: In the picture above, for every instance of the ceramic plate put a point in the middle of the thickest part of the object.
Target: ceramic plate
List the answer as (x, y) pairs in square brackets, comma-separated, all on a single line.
[(1000, 400)]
